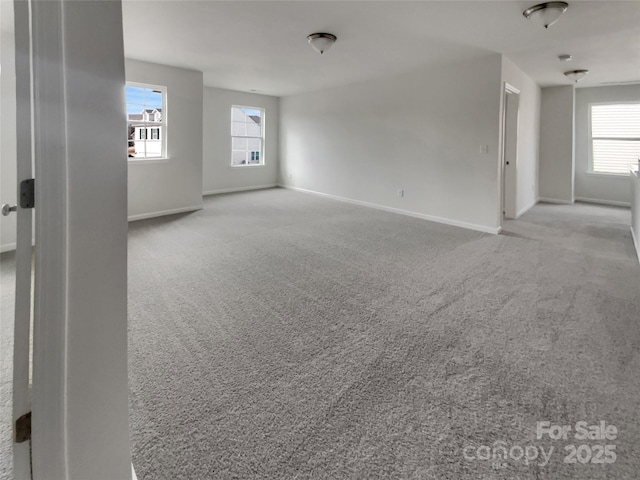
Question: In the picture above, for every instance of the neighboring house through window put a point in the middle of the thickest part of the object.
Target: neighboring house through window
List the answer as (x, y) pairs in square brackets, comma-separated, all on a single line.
[(146, 118), (615, 137), (247, 136)]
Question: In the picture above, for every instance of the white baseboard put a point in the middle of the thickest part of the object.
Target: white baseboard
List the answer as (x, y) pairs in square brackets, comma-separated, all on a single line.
[(142, 216), (10, 247), (603, 202), (555, 200), (239, 189), (431, 218), (133, 473), (636, 243), (526, 209), (7, 247)]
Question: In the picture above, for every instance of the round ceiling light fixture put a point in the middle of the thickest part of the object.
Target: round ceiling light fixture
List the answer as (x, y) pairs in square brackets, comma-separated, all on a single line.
[(565, 57), (546, 14), (321, 42), (576, 75)]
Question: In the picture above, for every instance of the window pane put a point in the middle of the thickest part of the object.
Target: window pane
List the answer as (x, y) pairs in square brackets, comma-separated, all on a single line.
[(134, 111), (253, 129), (615, 156), (246, 122), (144, 118), (239, 144), (237, 115), (153, 99), (253, 115), (254, 158), (135, 97), (239, 157), (254, 143), (239, 151), (246, 135), (238, 129)]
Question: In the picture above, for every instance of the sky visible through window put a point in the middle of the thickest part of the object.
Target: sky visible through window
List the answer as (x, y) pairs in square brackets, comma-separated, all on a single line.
[(140, 98), (251, 111)]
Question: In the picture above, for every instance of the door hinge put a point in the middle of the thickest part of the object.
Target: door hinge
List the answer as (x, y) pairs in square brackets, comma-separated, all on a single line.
[(27, 193), (23, 428)]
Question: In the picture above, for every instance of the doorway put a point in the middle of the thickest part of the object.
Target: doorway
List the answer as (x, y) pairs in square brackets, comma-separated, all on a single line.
[(511, 106)]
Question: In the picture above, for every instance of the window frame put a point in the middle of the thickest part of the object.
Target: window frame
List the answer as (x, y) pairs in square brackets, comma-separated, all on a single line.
[(162, 124), (591, 138), (261, 153)]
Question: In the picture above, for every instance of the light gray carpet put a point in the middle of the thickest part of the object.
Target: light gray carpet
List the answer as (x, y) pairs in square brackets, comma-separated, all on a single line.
[(279, 335)]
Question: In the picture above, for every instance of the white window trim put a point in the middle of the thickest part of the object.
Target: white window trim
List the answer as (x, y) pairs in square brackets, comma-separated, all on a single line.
[(590, 170), (263, 160), (147, 161), (164, 157)]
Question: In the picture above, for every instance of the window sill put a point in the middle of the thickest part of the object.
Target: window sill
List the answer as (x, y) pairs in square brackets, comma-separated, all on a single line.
[(147, 161), (247, 166)]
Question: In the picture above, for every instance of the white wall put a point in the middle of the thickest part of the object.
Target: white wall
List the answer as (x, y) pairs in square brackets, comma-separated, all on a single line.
[(420, 132), (218, 175), (601, 188), (557, 144), (8, 190), (528, 135), (174, 185)]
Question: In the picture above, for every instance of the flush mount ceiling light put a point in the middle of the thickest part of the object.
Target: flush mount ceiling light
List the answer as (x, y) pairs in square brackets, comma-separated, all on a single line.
[(565, 57), (546, 14), (321, 42), (576, 75)]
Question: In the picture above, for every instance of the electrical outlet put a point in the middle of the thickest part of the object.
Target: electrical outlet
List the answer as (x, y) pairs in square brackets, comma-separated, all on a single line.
[(401, 193), (290, 176)]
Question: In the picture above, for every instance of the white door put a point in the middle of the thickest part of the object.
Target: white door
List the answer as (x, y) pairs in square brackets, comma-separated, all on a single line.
[(22, 207)]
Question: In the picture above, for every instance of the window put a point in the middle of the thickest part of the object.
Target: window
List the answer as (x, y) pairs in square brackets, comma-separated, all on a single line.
[(247, 136), (615, 137), (146, 119)]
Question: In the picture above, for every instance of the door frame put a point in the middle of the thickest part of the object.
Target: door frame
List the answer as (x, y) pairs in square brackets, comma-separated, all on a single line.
[(21, 390), (50, 446), (80, 387), (508, 178)]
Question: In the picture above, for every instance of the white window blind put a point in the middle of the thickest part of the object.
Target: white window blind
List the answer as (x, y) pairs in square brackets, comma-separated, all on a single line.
[(615, 137)]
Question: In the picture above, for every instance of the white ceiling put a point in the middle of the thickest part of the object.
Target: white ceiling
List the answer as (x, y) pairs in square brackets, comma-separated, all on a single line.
[(261, 45)]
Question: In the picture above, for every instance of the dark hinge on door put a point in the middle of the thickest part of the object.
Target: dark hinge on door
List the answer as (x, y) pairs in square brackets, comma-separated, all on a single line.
[(23, 428), (27, 193)]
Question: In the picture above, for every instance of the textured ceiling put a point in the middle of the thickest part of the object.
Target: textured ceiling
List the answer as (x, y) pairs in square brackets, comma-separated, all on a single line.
[(261, 45)]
